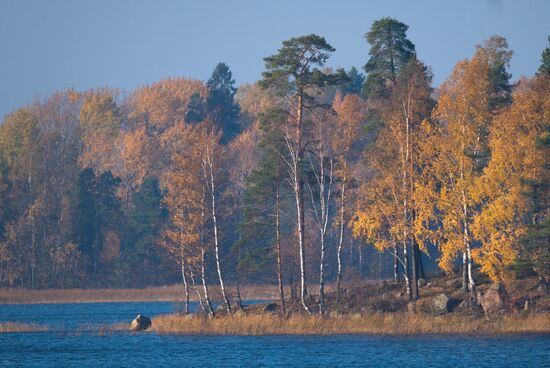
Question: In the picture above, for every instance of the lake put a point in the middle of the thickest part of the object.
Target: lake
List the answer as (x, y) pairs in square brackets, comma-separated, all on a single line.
[(68, 344)]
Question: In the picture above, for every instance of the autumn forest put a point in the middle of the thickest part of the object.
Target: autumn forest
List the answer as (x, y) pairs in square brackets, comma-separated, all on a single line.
[(310, 176)]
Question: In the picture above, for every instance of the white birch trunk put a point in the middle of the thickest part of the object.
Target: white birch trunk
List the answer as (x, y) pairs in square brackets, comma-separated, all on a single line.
[(210, 167), (186, 286), (340, 239)]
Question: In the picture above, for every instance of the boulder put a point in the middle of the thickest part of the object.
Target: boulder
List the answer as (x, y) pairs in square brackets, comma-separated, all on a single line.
[(470, 308), (356, 316), (431, 284), (422, 282), (271, 307), (140, 323), (441, 304), (454, 283), (541, 285), (491, 301)]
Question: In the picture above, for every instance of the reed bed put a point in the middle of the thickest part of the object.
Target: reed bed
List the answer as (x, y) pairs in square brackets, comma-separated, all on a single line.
[(375, 324), (169, 293), (21, 327)]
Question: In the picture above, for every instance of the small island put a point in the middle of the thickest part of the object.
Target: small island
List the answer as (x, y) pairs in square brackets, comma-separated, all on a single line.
[(197, 174)]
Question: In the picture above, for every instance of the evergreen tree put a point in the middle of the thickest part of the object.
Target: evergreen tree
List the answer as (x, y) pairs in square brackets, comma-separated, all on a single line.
[(86, 224), (108, 204), (495, 52), (144, 222), (390, 50), (544, 68), (221, 107), (98, 211), (355, 84), (266, 198), (195, 109), (535, 249)]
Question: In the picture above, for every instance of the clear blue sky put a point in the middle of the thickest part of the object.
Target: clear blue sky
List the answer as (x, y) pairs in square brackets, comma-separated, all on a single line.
[(46, 45)]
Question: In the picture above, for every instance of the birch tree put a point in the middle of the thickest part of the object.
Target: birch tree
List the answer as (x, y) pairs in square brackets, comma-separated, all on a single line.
[(321, 164), (350, 114), (463, 116), (293, 72), (184, 233), (512, 190), (210, 166)]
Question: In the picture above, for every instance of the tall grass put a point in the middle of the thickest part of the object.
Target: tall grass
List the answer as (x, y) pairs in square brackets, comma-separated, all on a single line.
[(392, 324), (20, 327), (154, 294)]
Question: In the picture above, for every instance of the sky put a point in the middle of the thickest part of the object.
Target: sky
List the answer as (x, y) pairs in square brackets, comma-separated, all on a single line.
[(48, 45)]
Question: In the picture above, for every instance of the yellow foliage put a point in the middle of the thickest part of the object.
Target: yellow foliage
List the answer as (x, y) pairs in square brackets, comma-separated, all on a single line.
[(505, 189)]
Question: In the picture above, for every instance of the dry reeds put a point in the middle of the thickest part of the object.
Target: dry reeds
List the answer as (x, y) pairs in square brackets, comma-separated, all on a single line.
[(21, 327), (152, 294), (376, 324)]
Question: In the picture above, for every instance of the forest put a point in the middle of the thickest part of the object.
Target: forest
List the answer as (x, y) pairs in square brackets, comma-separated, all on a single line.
[(307, 177)]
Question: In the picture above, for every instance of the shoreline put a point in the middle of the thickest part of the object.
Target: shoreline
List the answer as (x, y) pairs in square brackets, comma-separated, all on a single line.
[(170, 293), (391, 324)]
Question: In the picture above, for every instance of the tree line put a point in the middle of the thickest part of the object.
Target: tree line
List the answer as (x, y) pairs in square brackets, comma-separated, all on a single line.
[(282, 180)]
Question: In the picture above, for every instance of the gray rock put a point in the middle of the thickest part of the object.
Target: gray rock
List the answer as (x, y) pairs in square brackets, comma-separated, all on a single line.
[(441, 304), (271, 307), (140, 323), (454, 283), (470, 308), (422, 282), (356, 316), (491, 301)]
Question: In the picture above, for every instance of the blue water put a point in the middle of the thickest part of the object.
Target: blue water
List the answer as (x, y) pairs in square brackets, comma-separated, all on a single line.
[(68, 348)]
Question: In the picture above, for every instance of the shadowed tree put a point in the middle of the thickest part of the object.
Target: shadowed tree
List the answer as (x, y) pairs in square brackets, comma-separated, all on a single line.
[(221, 107)]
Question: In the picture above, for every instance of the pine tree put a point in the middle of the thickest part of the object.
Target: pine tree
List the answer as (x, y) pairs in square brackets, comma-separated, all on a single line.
[(221, 107), (390, 51), (544, 68), (293, 73), (144, 220), (87, 221), (495, 52), (355, 84), (265, 200)]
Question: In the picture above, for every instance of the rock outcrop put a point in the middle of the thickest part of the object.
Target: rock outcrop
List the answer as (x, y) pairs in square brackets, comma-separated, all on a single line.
[(491, 300), (140, 323), (441, 304)]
